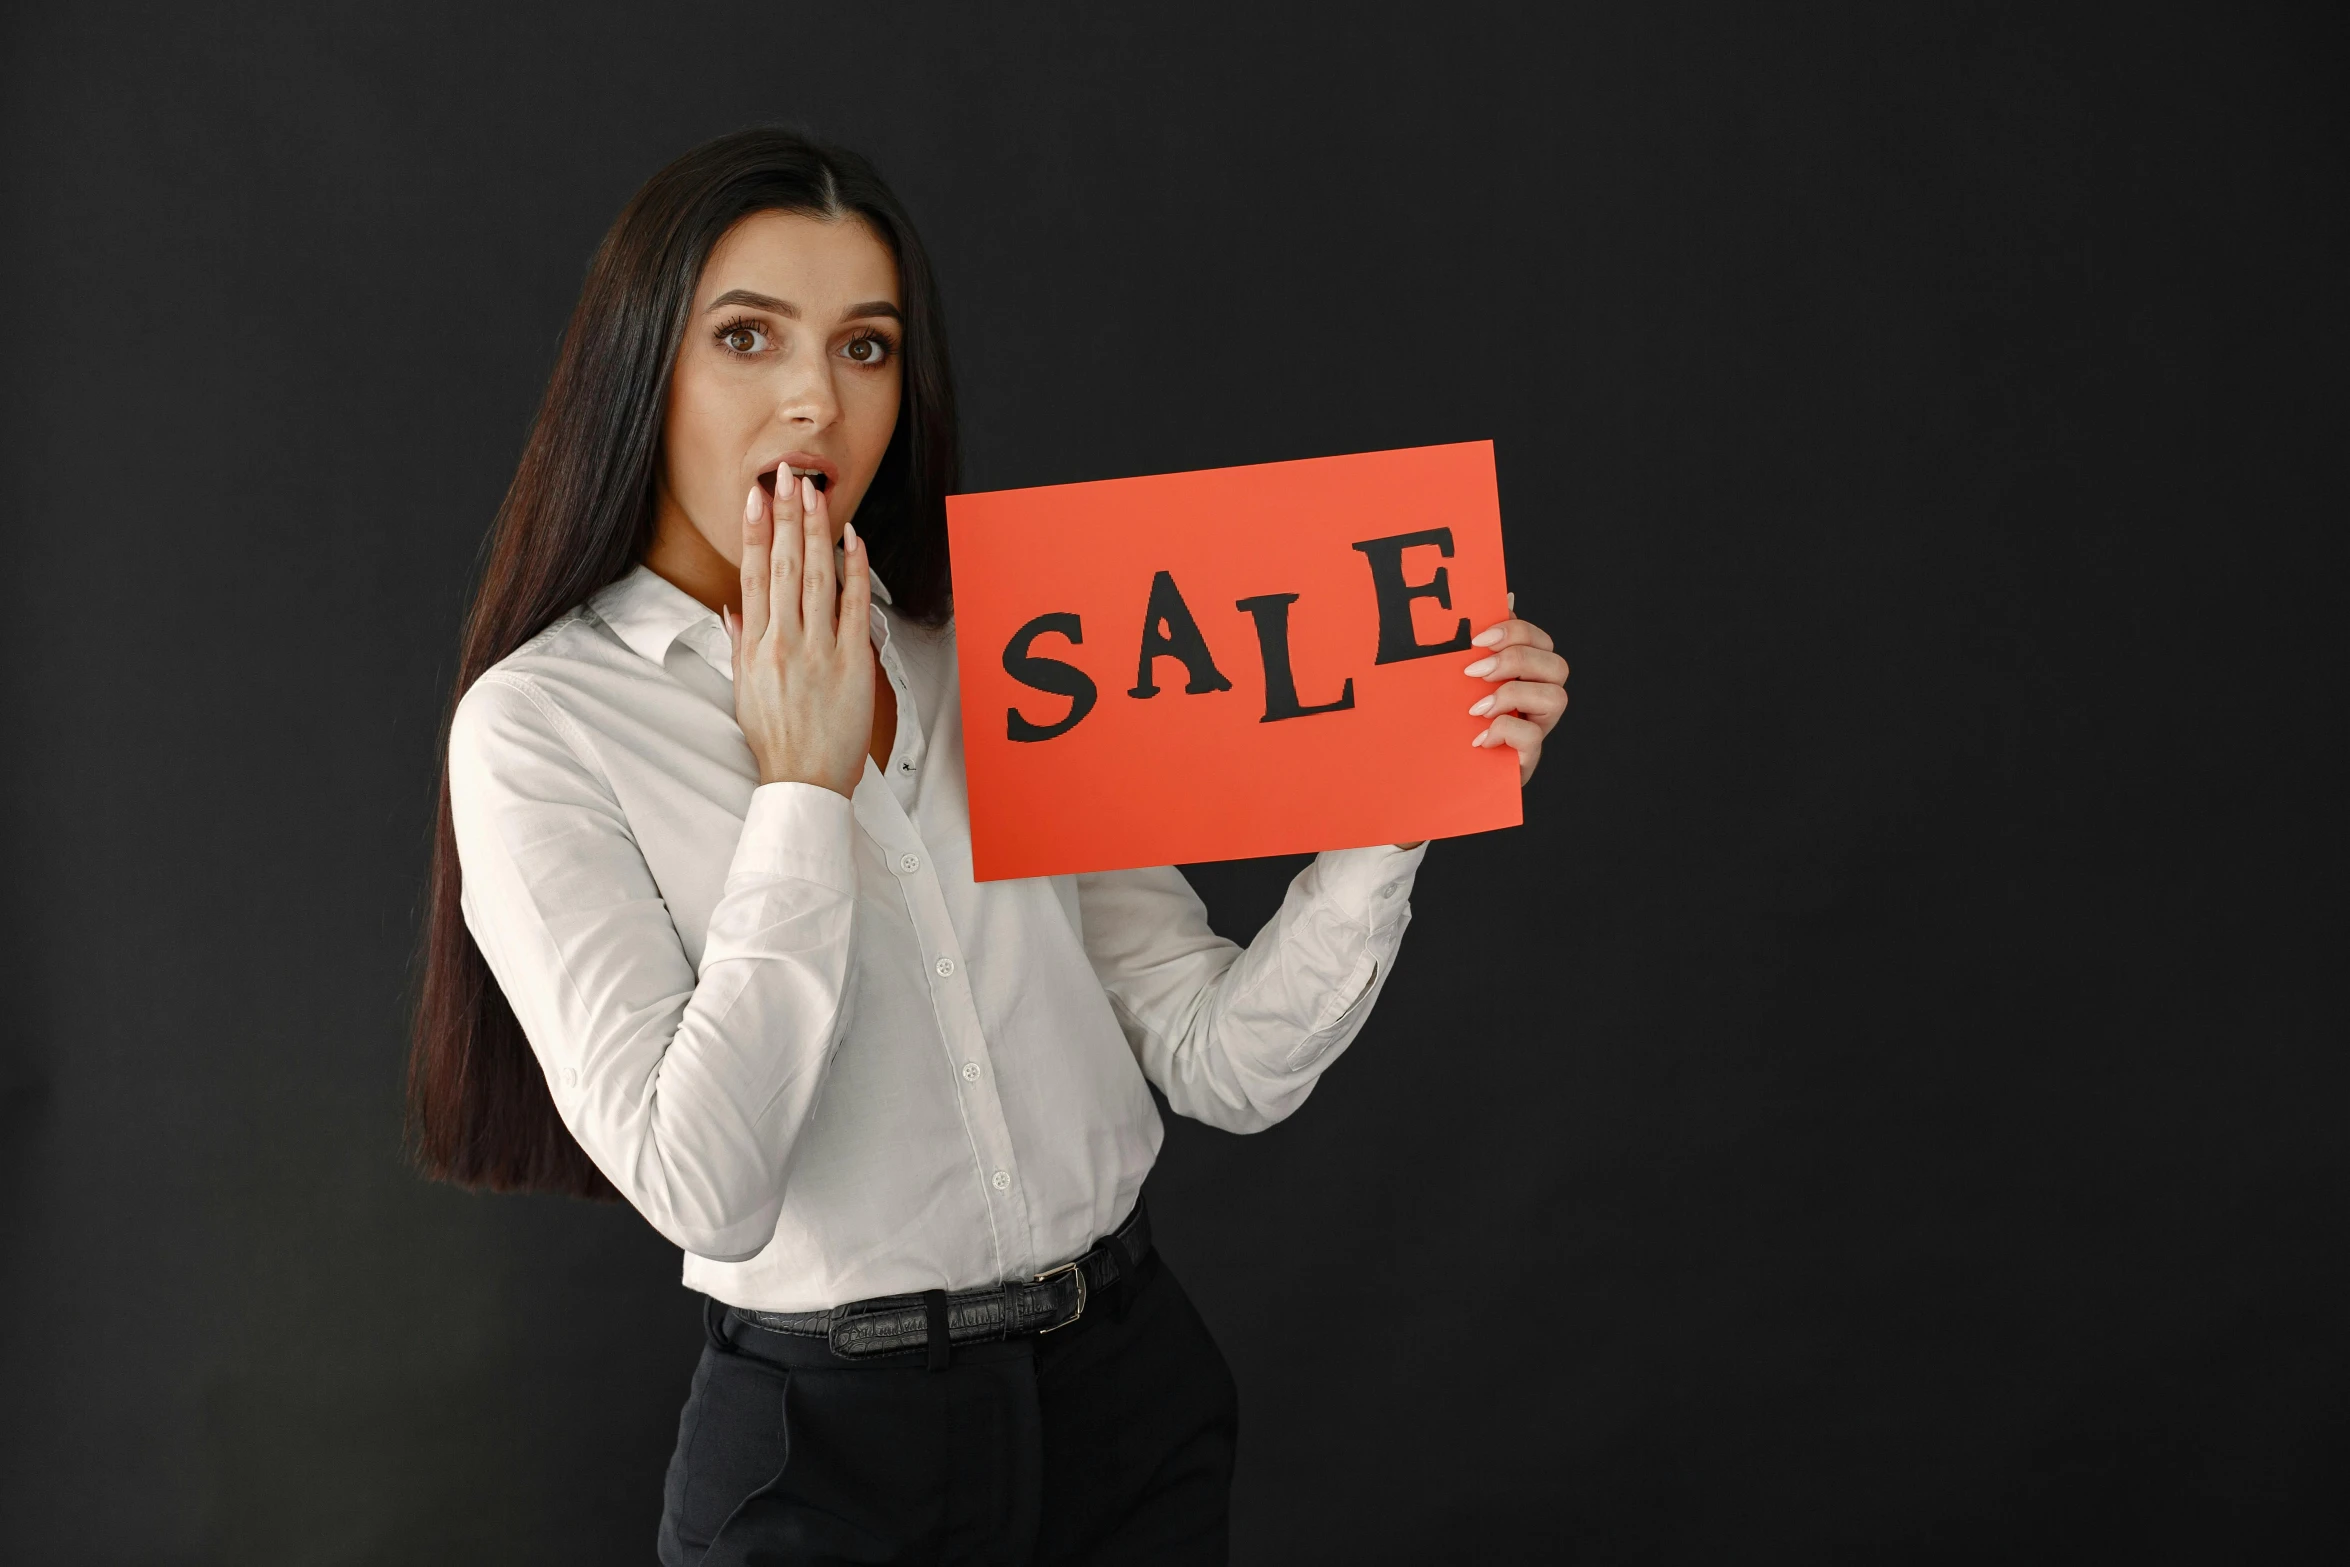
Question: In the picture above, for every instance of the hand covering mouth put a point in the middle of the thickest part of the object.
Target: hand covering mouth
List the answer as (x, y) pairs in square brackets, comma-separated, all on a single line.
[(822, 478)]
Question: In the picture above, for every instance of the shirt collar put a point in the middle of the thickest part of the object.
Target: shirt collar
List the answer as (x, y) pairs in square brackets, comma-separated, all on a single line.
[(649, 612)]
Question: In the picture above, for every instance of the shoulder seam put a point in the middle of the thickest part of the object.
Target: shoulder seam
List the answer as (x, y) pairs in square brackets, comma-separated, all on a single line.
[(576, 612), (574, 738)]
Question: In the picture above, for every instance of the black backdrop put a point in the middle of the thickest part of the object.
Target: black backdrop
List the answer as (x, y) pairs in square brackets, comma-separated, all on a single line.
[(1885, 1104)]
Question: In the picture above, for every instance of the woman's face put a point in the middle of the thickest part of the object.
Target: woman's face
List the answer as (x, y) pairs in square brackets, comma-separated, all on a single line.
[(791, 356)]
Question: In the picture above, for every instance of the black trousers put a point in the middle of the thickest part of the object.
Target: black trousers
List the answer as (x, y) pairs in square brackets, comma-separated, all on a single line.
[(1109, 1440)]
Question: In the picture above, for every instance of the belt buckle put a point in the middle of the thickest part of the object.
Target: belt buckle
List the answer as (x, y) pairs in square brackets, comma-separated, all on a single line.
[(1048, 1276)]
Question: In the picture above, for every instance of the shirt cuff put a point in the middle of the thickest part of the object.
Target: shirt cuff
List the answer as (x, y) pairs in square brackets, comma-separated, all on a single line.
[(796, 832), (1368, 882)]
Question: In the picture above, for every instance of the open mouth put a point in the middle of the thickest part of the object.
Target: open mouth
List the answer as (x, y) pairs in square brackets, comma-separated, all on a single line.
[(822, 479)]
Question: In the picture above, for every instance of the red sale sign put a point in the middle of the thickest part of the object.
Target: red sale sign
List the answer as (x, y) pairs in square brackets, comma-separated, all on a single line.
[(1231, 662)]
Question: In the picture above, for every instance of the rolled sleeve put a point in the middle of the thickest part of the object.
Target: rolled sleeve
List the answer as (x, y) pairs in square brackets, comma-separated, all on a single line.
[(1372, 884), (1237, 1037), (796, 832)]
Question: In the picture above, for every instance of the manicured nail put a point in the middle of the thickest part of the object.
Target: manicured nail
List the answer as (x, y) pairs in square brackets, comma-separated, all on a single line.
[(1481, 707), (807, 494), (1513, 598), (1483, 666), (848, 534), (1487, 638), (751, 505), (1481, 734)]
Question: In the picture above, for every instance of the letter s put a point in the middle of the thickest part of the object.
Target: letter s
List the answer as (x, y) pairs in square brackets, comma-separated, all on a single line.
[(1047, 674)]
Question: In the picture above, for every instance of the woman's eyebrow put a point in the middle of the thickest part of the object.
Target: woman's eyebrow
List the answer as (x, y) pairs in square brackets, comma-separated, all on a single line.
[(791, 312), (757, 301)]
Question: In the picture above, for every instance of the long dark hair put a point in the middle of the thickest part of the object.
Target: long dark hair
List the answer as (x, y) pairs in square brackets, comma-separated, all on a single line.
[(579, 515)]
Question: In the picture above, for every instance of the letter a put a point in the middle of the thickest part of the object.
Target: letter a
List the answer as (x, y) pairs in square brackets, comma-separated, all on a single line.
[(1179, 639)]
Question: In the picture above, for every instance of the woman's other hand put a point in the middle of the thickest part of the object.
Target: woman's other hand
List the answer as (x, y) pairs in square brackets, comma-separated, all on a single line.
[(1530, 690), (803, 653)]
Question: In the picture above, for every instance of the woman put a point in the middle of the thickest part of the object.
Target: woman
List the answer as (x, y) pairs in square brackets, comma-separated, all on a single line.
[(704, 934)]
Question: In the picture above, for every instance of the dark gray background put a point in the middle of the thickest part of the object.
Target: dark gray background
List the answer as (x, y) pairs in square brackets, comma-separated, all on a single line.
[(1886, 1104)]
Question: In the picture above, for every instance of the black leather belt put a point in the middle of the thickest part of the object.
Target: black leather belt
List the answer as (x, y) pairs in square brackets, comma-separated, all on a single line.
[(890, 1324)]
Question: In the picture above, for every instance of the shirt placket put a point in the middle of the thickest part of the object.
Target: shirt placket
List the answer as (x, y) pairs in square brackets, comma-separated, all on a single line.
[(946, 972), (906, 753)]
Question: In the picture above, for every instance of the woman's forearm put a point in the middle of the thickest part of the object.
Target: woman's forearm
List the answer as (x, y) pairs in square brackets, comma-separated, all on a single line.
[(689, 1089)]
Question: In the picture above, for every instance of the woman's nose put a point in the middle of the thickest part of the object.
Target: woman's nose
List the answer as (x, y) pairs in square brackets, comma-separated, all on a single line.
[(806, 396)]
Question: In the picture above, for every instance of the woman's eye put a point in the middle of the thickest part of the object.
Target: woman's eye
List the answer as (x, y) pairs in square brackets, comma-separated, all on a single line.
[(866, 350), (743, 339)]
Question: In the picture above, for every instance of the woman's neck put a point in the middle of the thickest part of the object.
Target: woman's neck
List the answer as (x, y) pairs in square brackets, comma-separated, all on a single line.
[(683, 558)]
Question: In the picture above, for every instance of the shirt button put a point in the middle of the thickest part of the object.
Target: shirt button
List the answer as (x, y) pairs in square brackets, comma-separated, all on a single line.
[(1387, 891), (570, 1077), (946, 966), (909, 863), (1000, 1181), (905, 767), (970, 1071)]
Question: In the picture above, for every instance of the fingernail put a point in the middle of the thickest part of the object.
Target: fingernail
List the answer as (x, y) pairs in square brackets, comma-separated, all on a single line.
[(1487, 638), (808, 494), (1481, 707), (1481, 734), (751, 505), (848, 534), (1483, 666)]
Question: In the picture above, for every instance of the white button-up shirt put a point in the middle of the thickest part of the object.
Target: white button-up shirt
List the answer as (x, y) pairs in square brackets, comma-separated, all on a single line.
[(790, 1027)]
